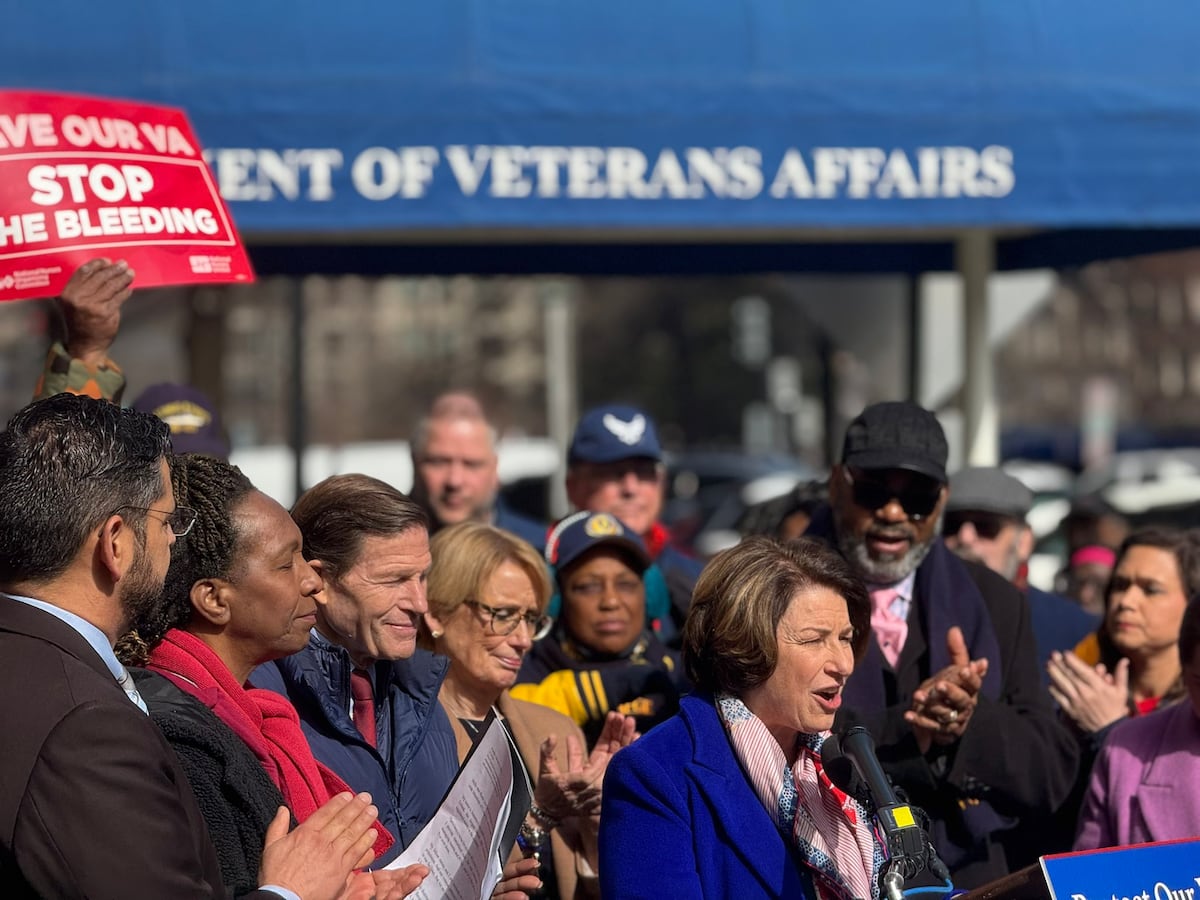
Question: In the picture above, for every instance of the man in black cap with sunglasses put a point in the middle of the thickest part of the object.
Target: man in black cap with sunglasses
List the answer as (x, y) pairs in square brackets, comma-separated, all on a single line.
[(950, 686)]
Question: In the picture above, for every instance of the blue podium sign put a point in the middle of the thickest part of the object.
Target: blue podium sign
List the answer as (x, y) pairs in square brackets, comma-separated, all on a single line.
[(1166, 871)]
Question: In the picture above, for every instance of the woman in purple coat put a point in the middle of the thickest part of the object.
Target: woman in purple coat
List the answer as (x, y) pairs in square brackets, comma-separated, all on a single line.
[(1135, 791)]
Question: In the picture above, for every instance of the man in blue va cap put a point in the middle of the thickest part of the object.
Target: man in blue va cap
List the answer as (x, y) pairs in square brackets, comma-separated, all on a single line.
[(614, 466)]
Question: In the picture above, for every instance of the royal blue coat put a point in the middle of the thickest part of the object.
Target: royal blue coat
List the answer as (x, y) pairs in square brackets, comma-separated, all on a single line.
[(680, 820)]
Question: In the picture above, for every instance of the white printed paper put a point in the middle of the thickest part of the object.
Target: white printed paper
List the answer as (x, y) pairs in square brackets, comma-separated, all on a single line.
[(461, 843)]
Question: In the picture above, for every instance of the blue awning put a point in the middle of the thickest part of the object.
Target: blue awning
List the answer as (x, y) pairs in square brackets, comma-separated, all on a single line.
[(488, 126)]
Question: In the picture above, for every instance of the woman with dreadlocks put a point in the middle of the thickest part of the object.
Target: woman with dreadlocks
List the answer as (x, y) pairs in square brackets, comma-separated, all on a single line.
[(239, 593)]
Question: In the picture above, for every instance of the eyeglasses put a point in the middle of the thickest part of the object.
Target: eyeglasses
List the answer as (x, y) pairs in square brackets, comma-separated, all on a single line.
[(641, 469), (505, 621), (594, 588), (180, 520), (917, 494), (987, 525)]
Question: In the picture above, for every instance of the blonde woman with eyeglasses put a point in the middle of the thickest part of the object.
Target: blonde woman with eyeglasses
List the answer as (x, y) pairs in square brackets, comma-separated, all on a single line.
[(487, 592)]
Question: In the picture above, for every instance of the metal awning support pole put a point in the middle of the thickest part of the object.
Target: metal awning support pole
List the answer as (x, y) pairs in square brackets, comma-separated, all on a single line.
[(562, 397), (975, 255), (916, 339), (298, 436)]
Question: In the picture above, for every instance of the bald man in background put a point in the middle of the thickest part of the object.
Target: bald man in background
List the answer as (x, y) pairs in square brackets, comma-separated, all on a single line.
[(456, 470)]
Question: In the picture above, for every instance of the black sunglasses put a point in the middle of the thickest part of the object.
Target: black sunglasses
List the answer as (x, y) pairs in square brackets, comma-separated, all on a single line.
[(987, 525), (917, 494)]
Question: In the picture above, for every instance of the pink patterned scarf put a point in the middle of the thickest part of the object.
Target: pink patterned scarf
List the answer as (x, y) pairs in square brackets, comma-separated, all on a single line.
[(831, 832)]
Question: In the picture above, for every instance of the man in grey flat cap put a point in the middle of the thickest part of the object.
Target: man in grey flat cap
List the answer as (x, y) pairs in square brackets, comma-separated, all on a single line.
[(985, 522)]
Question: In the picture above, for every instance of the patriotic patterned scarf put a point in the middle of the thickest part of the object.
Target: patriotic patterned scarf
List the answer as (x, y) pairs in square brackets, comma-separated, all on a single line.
[(829, 830)]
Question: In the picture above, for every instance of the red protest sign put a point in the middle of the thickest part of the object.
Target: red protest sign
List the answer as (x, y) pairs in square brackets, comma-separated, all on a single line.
[(82, 177)]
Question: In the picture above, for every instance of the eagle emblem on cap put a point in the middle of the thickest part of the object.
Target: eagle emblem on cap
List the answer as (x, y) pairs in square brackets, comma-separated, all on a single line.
[(628, 433), (602, 525)]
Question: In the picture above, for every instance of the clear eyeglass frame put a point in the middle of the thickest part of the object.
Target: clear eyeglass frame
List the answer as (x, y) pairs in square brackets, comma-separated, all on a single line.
[(180, 520), (506, 621)]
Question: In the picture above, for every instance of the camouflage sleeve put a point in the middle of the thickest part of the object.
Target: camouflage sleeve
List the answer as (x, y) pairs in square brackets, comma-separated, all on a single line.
[(64, 375)]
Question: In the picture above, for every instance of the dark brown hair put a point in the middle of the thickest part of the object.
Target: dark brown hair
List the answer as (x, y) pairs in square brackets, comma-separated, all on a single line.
[(67, 463), (729, 642), (1184, 545), (335, 515), (1189, 631)]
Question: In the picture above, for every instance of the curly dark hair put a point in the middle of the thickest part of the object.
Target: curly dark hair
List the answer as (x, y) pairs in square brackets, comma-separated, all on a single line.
[(214, 488)]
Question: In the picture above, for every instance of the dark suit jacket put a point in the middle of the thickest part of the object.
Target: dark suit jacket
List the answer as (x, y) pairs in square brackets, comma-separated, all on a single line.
[(92, 800), (1058, 624), (1015, 753)]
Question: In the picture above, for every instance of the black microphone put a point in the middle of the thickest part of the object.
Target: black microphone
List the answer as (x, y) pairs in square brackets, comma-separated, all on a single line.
[(841, 772), (906, 840)]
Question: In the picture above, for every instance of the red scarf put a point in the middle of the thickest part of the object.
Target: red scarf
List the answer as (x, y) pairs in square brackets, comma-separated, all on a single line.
[(656, 539), (265, 720), (1147, 706)]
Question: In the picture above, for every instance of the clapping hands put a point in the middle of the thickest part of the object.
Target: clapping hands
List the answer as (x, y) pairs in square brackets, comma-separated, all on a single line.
[(942, 706), (1091, 696), (577, 791)]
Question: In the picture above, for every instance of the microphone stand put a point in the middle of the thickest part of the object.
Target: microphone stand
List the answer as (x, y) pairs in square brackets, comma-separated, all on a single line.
[(909, 848)]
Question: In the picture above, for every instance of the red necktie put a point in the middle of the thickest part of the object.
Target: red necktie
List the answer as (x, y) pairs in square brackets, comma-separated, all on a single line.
[(890, 630), (364, 705)]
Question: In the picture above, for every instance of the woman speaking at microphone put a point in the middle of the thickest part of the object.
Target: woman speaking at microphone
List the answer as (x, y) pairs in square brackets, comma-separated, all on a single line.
[(728, 798)]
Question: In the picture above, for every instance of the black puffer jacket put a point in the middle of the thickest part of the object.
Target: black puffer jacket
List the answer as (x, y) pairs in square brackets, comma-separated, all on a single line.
[(646, 681)]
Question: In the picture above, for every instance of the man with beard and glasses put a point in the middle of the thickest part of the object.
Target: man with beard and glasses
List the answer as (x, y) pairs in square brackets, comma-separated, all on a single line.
[(950, 686), (93, 802)]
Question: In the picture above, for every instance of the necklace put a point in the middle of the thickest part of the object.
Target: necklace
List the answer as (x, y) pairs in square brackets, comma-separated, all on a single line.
[(475, 726)]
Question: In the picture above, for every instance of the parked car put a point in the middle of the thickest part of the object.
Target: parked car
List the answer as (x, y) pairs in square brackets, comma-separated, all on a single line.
[(1144, 487), (1151, 485), (707, 491), (1052, 485)]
